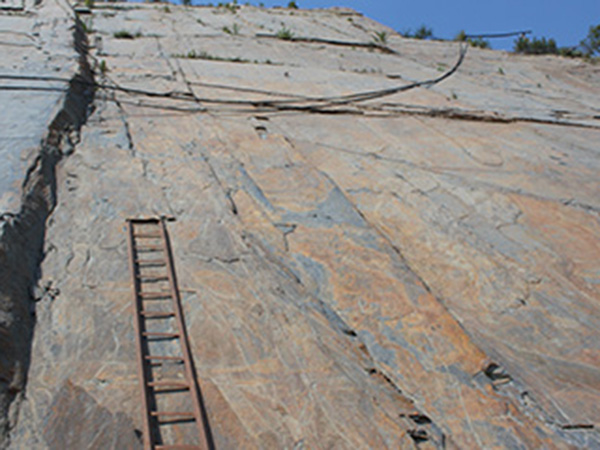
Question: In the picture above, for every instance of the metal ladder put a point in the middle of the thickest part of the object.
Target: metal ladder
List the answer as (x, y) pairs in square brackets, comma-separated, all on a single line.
[(165, 364)]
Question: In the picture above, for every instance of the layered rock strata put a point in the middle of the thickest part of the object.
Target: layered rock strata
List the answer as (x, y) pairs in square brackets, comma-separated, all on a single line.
[(418, 269)]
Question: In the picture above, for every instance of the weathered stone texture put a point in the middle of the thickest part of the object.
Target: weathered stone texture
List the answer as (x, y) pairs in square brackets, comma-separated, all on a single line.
[(40, 120), (418, 270)]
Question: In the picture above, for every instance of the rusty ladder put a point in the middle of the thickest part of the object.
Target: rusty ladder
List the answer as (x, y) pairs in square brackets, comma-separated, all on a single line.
[(165, 364)]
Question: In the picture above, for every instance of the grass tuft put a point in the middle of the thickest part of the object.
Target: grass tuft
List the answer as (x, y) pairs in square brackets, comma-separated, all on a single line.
[(285, 34)]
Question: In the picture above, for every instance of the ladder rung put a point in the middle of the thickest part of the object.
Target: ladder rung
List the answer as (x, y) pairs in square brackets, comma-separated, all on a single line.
[(159, 334), (149, 248), (147, 236), (153, 262), (144, 220), (175, 419), (168, 384), (157, 314), (149, 278), (171, 414), (155, 295), (177, 447), (164, 358)]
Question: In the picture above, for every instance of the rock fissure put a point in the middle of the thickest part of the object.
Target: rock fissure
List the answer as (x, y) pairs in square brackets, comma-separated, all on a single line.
[(437, 437), (226, 191), (123, 117), (22, 238), (472, 116)]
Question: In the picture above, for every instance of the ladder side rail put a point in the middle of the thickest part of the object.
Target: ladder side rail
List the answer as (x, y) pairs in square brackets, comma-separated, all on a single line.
[(142, 372), (187, 355)]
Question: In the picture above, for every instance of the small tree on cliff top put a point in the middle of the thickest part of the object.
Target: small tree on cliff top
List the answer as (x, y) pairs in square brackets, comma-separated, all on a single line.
[(591, 44)]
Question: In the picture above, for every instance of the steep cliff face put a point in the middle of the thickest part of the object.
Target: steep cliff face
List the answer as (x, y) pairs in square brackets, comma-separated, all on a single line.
[(418, 269)]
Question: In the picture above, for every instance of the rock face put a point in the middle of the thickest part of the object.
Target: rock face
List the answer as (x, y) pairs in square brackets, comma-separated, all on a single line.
[(40, 123), (417, 269)]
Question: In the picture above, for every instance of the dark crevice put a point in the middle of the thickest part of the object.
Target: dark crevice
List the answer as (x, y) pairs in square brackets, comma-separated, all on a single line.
[(123, 117), (496, 373), (263, 252), (286, 230), (578, 426), (22, 236), (314, 40), (261, 131), (234, 209), (379, 374), (419, 435), (471, 116), (226, 191), (420, 419)]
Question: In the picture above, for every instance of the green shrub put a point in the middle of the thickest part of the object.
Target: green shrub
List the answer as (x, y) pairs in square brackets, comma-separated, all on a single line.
[(535, 46), (192, 54), (473, 42), (571, 52), (285, 33), (591, 44), (292, 5), (461, 36), (587, 48), (231, 7), (479, 42), (234, 30), (87, 28), (423, 32), (380, 37)]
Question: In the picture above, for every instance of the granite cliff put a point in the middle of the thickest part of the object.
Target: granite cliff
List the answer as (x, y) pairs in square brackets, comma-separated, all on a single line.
[(361, 265)]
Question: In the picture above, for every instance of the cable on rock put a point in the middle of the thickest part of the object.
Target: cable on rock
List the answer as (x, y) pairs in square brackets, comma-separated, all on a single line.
[(277, 104)]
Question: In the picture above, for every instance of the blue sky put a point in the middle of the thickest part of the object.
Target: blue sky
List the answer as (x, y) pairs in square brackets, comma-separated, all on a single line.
[(567, 21)]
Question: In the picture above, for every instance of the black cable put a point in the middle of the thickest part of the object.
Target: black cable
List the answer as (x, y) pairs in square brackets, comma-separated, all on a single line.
[(385, 92), (318, 102), (497, 35), (33, 78), (32, 88), (281, 104)]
